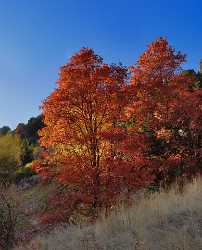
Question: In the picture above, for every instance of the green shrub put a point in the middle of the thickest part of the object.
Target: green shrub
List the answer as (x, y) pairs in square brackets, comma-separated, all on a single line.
[(24, 172)]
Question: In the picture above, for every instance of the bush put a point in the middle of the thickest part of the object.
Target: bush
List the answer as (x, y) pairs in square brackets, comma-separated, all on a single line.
[(24, 172), (8, 218)]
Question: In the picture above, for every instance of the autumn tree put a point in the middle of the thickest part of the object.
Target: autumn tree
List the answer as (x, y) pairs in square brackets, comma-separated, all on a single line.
[(167, 109), (81, 132)]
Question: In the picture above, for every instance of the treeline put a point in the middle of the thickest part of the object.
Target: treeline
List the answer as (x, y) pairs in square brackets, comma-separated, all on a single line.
[(18, 148)]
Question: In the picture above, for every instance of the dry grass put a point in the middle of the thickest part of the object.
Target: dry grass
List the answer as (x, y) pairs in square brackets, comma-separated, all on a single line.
[(164, 221)]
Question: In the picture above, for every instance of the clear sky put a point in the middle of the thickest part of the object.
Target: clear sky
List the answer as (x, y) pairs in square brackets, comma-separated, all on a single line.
[(37, 37)]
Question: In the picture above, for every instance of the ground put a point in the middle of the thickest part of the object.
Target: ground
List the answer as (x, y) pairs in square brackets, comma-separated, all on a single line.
[(161, 221)]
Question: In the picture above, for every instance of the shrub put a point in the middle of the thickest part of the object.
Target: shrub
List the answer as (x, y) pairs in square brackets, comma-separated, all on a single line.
[(8, 218), (24, 172)]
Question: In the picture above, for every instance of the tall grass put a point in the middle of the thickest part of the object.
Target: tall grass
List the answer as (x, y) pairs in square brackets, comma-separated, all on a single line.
[(164, 220)]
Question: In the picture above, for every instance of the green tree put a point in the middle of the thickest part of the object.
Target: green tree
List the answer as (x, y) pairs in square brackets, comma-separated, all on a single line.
[(196, 78), (4, 130), (29, 131), (10, 157)]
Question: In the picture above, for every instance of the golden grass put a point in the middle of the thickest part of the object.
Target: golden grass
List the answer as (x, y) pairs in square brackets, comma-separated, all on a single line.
[(164, 221)]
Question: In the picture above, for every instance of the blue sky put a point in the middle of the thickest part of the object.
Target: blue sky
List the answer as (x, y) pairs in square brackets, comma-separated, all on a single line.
[(37, 37)]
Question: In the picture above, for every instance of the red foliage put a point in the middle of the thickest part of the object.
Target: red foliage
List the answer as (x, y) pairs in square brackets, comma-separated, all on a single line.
[(105, 137), (167, 108), (81, 135)]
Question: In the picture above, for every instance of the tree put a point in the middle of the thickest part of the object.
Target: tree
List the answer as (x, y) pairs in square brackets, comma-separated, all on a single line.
[(195, 77), (21, 131), (4, 130), (168, 110), (81, 131), (10, 157), (29, 131)]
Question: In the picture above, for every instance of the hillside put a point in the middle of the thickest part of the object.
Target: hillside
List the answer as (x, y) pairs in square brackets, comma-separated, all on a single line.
[(109, 162), (162, 221)]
